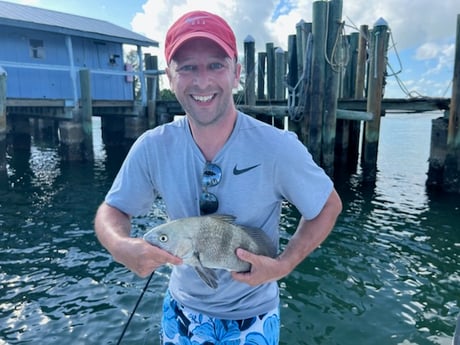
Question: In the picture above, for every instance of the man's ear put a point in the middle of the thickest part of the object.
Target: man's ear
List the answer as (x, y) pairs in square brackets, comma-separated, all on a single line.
[(168, 74), (236, 82)]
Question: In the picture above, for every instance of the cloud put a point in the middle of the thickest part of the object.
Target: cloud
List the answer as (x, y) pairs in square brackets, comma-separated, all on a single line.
[(245, 17), (425, 28), (428, 51)]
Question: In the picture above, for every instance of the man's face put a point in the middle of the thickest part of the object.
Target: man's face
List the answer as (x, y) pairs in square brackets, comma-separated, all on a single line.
[(202, 76)]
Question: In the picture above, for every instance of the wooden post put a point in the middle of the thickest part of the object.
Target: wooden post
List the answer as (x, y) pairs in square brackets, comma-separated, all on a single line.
[(249, 68), (86, 114), (301, 42), (153, 89), (2, 119), (270, 49), (318, 80), (438, 150), (76, 136), (331, 91), (377, 64), (270, 73), (292, 78), (361, 64), (346, 88), (280, 73), (358, 93), (451, 181), (304, 61), (261, 58)]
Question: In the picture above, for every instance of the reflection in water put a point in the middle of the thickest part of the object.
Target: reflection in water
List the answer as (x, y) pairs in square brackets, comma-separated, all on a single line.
[(388, 274)]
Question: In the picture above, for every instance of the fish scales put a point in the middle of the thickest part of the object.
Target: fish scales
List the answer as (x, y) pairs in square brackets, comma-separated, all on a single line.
[(210, 242)]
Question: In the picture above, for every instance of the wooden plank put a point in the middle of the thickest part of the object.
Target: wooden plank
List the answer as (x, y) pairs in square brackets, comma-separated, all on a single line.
[(282, 112), (399, 105), (113, 104), (17, 102)]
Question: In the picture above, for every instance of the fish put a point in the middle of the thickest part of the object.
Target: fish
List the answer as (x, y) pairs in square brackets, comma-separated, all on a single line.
[(210, 242)]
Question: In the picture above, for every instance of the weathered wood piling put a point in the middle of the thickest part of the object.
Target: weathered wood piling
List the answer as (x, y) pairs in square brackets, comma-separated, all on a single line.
[(315, 83), (326, 87), (377, 67), (444, 167), (2, 119)]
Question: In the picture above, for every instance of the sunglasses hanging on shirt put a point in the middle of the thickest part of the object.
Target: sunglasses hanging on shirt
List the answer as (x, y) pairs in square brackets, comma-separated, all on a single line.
[(212, 174)]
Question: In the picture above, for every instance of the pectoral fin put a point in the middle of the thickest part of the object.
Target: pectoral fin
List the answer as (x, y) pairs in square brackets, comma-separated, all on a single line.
[(206, 274)]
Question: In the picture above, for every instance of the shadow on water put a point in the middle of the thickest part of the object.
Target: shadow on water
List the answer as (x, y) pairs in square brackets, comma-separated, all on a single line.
[(388, 273)]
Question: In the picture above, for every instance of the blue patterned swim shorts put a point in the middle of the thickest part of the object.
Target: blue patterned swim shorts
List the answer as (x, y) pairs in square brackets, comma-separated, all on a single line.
[(183, 326)]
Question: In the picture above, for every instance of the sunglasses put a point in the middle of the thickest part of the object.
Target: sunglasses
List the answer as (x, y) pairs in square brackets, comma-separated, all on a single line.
[(212, 174)]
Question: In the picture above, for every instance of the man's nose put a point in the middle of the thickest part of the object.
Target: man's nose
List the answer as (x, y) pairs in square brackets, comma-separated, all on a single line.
[(201, 77)]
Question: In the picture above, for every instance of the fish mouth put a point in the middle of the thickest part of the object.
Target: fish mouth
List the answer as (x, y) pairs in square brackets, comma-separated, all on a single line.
[(203, 98)]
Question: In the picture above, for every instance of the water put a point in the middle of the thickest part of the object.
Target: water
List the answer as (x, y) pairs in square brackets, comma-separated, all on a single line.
[(389, 272)]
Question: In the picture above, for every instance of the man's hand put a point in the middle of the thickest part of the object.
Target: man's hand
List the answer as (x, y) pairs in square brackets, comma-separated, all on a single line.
[(141, 257), (263, 269), (113, 229)]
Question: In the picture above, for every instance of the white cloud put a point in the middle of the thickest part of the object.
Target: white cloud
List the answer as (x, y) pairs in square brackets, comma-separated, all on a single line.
[(429, 50), (424, 28)]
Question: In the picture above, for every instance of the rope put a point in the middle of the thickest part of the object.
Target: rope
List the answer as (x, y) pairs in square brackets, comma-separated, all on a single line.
[(296, 112), (337, 66)]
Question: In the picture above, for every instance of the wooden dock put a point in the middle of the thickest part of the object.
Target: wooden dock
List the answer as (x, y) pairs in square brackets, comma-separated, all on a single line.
[(324, 100)]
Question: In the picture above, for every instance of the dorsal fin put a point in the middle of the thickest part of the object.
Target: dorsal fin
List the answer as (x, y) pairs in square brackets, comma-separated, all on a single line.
[(223, 217), (262, 239)]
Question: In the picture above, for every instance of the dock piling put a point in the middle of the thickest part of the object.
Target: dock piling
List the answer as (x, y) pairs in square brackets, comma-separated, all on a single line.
[(377, 65), (249, 69), (452, 163), (2, 119), (333, 69), (318, 80)]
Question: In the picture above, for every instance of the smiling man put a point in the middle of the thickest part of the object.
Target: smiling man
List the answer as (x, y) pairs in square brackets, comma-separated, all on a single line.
[(217, 160)]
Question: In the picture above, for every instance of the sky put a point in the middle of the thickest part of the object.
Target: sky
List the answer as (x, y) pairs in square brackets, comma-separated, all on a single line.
[(423, 32)]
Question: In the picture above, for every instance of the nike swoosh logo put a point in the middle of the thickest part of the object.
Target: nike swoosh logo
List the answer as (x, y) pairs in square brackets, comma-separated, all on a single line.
[(237, 171)]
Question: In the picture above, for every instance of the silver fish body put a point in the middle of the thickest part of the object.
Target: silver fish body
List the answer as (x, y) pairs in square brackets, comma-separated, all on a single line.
[(210, 242)]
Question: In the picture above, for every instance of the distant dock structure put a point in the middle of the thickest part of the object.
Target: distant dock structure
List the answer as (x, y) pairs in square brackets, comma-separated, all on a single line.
[(327, 87)]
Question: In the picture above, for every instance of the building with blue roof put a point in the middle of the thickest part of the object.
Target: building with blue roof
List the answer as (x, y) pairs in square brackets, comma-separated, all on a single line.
[(42, 52)]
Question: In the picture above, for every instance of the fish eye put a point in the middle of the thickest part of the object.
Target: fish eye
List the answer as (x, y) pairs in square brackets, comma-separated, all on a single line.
[(163, 238)]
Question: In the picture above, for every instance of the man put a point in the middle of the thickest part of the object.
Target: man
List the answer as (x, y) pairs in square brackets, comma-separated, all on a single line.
[(255, 166)]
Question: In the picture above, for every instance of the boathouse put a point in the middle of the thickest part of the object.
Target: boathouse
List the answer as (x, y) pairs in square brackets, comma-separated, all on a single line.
[(42, 52)]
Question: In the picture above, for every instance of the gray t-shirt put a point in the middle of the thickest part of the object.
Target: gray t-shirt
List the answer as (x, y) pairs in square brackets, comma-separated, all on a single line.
[(166, 162)]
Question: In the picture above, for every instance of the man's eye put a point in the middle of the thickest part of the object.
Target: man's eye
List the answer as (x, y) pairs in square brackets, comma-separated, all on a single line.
[(216, 65), (186, 68)]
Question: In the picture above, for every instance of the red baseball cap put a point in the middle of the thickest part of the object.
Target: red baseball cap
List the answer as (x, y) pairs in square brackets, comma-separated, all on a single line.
[(198, 24)]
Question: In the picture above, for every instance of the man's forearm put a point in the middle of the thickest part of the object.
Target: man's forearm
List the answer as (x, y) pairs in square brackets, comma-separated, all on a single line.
[(111, 225), (311, 233)]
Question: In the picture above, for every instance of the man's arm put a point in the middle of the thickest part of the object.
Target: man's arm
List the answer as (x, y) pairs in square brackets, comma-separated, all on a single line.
[(113, 229), (308, 236)]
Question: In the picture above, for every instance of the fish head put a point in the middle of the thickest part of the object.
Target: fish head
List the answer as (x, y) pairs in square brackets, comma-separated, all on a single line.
[(170, 240)]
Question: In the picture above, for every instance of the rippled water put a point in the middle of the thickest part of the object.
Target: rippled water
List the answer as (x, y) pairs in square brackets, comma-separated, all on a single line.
[(389, 272)]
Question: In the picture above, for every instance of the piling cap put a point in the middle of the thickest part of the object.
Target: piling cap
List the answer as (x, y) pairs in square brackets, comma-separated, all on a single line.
[(381, 22), (200, 24)]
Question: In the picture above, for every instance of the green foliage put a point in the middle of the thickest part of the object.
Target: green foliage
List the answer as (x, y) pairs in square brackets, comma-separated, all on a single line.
[(167, 95)]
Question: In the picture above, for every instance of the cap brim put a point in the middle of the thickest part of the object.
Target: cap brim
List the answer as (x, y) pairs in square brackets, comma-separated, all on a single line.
[(229, 51)]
